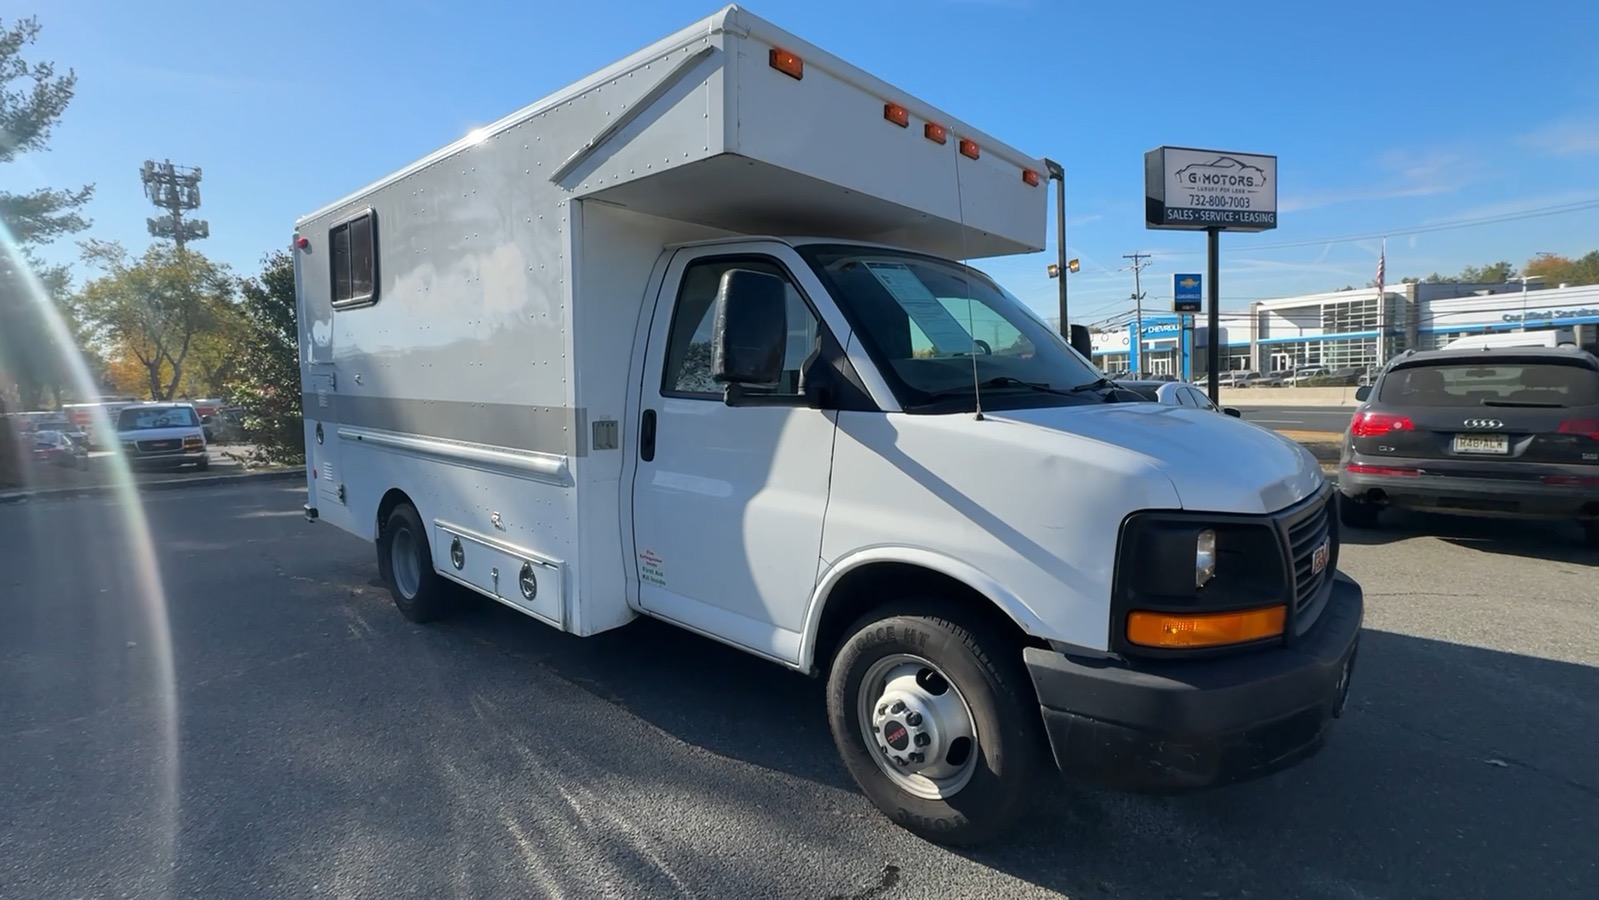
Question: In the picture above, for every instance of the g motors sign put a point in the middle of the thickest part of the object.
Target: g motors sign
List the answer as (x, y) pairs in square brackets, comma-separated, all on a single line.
[(1191, 189)]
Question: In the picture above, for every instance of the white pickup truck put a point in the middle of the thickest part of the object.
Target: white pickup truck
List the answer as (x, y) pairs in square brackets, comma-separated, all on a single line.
[(698, 338)]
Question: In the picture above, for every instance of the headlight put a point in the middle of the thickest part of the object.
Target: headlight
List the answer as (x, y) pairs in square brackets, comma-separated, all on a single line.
[(1204, 557)]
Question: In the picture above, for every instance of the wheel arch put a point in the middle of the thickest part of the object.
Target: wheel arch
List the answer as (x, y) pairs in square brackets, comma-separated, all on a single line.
[(391, 499), (872, 577)]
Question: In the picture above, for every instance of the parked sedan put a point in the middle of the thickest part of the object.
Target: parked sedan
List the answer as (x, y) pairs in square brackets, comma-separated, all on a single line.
[(1175, 393), (58, 449), (1508, 432)]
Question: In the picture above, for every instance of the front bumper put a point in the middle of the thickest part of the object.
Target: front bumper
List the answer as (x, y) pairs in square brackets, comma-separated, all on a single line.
[(166, 458), (1511, 498), (1181, 725)]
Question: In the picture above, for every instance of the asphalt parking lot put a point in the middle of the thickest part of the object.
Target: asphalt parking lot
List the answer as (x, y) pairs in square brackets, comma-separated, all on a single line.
[(234, 709)]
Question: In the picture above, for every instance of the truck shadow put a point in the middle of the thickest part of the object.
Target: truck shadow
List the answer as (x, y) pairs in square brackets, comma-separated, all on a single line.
[(1543, 540), (1457, 772)]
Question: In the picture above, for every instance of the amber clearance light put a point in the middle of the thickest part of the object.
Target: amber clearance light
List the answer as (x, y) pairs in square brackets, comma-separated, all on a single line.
[(1175, 632)]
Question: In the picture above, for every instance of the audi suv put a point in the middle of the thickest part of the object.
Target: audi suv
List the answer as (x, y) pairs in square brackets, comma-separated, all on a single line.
[(1510, 432)]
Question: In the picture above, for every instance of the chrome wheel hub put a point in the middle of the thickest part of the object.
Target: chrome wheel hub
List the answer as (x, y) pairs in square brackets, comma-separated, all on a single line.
[(918, 725)]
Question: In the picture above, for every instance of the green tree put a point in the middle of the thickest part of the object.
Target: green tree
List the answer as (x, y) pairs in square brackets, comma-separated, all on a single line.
[(1493, 273), (156, 309), (267, 373), (32, 100)]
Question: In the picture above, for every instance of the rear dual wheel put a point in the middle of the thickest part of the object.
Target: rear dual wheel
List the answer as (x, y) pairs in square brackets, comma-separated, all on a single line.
[(934, 716), (406, 564)]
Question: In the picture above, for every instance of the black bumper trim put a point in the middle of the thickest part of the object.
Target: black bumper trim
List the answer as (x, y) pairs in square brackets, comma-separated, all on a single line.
[(1175, 725)]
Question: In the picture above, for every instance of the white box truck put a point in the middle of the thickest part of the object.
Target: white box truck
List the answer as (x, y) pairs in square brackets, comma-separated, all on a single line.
[(696, 338)]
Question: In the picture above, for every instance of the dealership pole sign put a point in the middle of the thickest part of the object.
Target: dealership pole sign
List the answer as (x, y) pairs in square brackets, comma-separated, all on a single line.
[(1195, 190), (1188, 189), (1186, 294)]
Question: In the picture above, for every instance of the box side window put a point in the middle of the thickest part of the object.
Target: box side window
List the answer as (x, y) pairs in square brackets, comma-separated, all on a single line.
[(352, 252)]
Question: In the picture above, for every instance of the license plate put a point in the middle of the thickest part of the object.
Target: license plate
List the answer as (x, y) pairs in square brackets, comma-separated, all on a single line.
[(1482, 443)]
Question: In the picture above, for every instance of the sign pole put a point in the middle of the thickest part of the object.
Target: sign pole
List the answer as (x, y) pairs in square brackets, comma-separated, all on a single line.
[(1212, 264)]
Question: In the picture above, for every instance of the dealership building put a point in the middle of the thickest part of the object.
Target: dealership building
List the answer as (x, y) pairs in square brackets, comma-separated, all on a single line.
[(1344, 329)]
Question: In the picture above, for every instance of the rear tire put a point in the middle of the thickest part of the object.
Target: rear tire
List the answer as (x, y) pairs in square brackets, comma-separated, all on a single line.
[(405, 563), (1590, 535), (1355, 514), (956, 674)]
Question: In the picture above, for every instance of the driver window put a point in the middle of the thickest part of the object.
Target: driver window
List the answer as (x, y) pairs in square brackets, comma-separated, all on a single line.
[(687, 372)]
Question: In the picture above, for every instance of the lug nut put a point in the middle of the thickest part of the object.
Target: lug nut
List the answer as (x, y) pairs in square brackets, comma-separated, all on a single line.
[(883, 710), (898, 707), (923, 740), (914, 719), (900, 760), (918, 757)]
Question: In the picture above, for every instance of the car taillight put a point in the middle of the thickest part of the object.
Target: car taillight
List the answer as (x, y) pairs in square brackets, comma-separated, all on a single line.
[(1370, 424), (1571, 480), (1585, 427)]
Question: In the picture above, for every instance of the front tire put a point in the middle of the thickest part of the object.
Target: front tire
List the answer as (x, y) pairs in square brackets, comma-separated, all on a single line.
[(935, 719), (406, 564), (1355, 514)]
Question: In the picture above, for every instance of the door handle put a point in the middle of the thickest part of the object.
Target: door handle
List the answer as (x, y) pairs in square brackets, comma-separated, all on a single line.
[(646, 436)]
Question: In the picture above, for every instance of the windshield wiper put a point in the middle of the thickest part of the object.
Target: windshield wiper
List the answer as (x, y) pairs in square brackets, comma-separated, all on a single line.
[(1008, 381), (1097, 384)]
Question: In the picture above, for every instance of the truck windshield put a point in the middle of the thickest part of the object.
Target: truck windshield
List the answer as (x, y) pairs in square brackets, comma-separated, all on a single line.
[(160, 417), (924, 321)]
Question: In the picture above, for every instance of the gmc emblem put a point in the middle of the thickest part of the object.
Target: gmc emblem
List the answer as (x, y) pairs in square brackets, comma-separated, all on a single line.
[(1319, 556)]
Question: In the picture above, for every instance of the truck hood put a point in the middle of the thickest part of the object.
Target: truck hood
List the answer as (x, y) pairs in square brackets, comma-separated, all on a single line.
[(1215, 462)]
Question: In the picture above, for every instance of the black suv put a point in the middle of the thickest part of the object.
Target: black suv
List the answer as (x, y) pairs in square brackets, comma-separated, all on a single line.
[(1498, 432)]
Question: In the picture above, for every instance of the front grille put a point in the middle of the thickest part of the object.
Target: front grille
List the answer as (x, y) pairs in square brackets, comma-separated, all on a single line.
[(1306, 532), (159, 446)]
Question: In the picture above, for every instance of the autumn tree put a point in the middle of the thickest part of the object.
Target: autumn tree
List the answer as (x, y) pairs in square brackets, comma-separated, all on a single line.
[(156, 309), (267, 373), (32, 100), (1555, 269)]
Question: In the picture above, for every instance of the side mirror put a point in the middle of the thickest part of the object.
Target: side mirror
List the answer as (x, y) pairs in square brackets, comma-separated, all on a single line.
[(1082, 341), (1232, 412), (1362, 393), (750, 330)]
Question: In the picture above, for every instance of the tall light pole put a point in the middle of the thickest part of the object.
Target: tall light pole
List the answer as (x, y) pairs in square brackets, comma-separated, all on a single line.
[(1057, 174)]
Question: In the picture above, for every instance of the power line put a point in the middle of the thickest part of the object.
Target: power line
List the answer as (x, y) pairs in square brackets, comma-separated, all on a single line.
[(1440, 226)]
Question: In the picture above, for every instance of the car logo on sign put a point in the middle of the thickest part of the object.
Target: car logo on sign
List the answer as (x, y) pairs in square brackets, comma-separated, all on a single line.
[(1484, 423), (1320, 556)]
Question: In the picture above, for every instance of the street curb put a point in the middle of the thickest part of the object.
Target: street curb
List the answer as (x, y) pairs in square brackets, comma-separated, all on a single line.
[(91, 490)]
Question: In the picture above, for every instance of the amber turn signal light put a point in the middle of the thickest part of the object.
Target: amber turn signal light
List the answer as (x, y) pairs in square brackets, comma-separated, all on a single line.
[(1181, 631)]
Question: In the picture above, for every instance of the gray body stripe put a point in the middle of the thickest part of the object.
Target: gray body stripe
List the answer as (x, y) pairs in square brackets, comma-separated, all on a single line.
[(541, 429)]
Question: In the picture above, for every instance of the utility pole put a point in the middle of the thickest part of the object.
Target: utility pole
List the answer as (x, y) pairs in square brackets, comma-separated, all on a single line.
[(1140, 260), (175, 189)]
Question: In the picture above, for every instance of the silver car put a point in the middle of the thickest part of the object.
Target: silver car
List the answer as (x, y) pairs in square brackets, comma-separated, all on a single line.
[(1175, 393)]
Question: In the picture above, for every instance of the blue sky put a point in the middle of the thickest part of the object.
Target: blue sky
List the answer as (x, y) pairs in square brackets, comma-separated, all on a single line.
[(1385, 116)]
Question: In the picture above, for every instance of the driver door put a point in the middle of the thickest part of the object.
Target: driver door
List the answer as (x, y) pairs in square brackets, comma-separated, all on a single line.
[(728, 501)]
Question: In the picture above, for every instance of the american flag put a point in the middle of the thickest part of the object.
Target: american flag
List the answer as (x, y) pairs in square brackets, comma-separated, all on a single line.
[(1382, 266)]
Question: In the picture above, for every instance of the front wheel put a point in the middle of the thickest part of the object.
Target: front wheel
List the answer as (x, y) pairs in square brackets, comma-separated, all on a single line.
[(935, 719)]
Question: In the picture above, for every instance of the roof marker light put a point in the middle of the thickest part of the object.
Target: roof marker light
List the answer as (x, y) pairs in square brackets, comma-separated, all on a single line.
[(969, 148), (1031, 177), (935, 132), (897, 114), (788, 63)]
